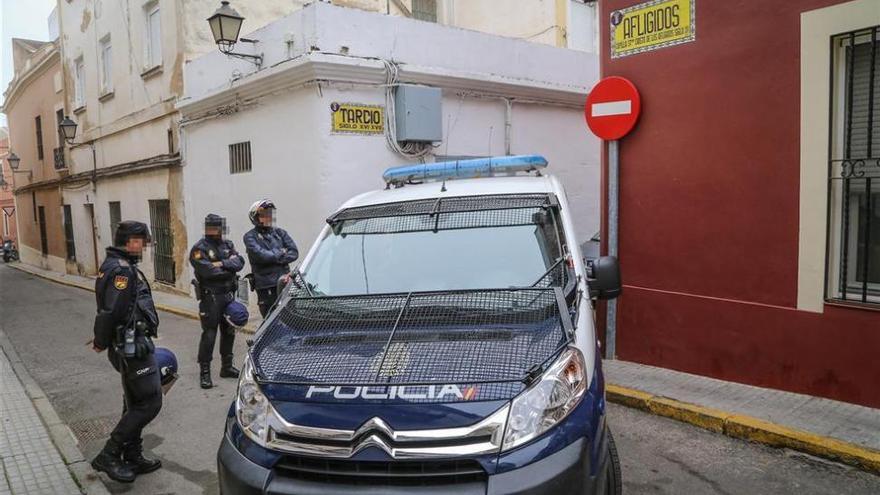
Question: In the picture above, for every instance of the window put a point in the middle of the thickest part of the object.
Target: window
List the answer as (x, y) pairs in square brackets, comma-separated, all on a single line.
[(38, 122), (115, 216), (44, 241), (79, 78), (58, 152), (854, 180), (68, 233), (34, 204), (59, 117), (163, 240), (153, 38), (106, 66), (425, 10), (240, 157)]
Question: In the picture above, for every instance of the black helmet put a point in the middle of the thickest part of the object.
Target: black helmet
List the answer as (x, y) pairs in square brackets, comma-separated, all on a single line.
[(128, 229), (254, 213), (213, 220)]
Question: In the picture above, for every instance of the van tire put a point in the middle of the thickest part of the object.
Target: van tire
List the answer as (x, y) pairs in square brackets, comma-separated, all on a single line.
[(613, 479)]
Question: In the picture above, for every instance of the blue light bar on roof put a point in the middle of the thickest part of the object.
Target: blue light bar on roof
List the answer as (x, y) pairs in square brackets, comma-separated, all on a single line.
[(463, 169)]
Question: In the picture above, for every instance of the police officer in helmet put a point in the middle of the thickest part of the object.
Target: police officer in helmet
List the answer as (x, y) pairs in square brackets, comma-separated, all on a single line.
[(216, 263), (270, 251), (125, 324)]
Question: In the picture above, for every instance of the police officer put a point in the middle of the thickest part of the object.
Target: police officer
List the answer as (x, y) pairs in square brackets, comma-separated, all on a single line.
[(216, 263), (124, 326), (270, 250)]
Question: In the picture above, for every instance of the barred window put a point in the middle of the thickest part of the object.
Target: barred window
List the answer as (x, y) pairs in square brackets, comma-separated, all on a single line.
[(240, 157), (854, 171), (115, 216), (69, 242), (425, 10)]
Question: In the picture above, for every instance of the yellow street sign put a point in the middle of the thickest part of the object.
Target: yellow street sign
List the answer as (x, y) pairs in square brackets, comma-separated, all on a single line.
[(355, 118), (652, 25)]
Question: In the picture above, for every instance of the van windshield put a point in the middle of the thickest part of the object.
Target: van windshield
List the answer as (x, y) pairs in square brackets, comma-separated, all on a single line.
[(352, 260)]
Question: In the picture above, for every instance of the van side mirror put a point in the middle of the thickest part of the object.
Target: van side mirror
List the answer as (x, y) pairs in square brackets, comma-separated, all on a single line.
[(603, 278)]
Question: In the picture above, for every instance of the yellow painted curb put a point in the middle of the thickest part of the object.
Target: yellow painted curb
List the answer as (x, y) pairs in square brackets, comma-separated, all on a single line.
[(628, 397), (747, 428), (704, 417)]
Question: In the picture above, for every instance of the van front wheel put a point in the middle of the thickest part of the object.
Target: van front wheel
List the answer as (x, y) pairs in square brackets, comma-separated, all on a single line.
[(613, 479)]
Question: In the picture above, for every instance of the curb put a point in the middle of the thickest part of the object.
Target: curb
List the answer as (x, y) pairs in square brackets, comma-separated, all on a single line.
[(747, 428), (60, 434), (248, 329)]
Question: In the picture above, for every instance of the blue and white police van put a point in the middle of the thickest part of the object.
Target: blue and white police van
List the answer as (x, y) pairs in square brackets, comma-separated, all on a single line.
[(439, 337)]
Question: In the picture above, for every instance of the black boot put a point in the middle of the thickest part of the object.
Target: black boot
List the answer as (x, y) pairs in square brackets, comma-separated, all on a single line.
[(133, 455), (205, 375), (110, 461), (227, 370)]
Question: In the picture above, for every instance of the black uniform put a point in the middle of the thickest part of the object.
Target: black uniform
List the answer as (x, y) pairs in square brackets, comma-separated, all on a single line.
[(124, 302), (270, 251), (217, 286)]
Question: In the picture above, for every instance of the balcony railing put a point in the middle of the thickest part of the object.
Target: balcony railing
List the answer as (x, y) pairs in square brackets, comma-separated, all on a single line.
[(58, 154)]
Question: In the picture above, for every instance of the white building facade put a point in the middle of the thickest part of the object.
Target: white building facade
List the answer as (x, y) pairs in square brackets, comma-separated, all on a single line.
[(247, 134)]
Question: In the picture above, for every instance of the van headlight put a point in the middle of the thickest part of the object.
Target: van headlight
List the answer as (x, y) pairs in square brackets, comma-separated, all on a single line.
[(251, 406), (548, 401)]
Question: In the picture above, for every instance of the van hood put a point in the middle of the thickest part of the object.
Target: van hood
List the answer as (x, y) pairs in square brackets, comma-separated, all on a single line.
[(420, 348)]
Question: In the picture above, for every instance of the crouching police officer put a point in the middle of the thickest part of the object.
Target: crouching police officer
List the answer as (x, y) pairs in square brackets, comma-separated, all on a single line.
[(124, 326), (216, 263), (270, 251)]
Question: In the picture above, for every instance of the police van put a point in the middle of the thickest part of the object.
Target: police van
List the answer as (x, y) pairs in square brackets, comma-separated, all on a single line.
[(439, 337)]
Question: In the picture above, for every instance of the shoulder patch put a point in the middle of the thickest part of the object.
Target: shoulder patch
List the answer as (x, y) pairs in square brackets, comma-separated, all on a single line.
[(120, 282), (197, 254)]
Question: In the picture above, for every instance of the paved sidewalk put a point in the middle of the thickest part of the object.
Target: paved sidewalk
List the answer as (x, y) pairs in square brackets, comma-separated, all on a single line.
[(825, 422), (179, 304), (29, 461)]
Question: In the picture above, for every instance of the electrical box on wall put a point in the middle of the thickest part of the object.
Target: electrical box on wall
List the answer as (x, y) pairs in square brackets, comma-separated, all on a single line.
[(418, 116)]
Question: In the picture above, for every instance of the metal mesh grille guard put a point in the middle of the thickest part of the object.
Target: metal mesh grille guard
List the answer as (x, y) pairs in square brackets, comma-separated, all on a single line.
[(450, 337), (458, 212)]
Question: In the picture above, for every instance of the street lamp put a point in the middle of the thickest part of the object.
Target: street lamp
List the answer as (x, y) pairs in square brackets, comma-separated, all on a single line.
[(14, 161), (67, 128), (225, 26)]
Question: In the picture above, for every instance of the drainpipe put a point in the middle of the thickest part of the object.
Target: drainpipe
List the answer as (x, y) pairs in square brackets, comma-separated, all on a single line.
[(508, 123)]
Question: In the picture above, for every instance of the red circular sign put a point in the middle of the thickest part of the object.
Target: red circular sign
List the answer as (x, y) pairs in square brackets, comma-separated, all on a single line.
[(613, 108)]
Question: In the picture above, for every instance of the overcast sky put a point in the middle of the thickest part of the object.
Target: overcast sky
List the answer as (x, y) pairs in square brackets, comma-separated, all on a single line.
[(20, 19)]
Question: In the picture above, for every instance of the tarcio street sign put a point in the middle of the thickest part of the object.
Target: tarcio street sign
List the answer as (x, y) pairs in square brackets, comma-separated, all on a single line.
[(613, 108)]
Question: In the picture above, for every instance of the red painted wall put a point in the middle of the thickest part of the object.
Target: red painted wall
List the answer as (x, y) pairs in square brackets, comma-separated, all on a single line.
[(709, 211)]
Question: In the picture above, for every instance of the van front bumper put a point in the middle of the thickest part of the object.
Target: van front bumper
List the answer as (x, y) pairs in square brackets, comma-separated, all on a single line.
[(566, 471)]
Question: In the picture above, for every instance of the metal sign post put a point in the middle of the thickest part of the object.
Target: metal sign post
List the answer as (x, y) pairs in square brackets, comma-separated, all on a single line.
[(613, 219), (612, 109)]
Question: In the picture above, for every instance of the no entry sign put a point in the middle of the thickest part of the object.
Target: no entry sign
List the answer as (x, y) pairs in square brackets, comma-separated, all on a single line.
[(613, 108)]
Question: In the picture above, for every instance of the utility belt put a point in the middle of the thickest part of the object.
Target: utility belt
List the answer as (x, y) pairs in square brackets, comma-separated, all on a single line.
[(133, 341), (202, 291)]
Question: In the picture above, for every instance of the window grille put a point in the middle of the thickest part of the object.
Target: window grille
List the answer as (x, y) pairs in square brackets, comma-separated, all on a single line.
[(38, 121), (115, 216), (44, 239), (240, 157), (68, 234), (854, 169), (163, 240)]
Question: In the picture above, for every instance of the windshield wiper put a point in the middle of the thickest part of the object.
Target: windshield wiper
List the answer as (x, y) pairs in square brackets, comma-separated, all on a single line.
[(305, 285), (549, 270)]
